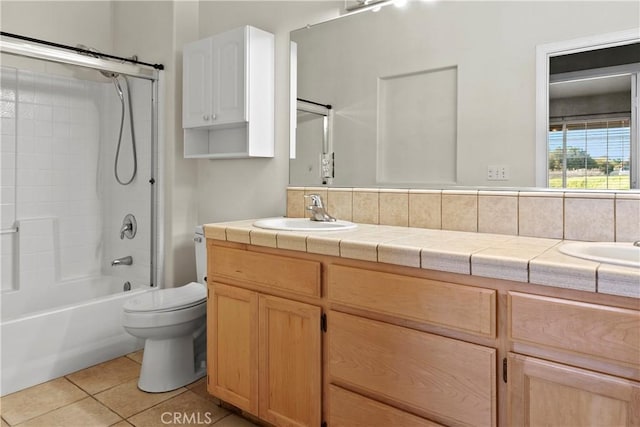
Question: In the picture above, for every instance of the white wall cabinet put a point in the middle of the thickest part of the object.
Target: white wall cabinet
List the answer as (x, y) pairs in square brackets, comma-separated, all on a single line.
[(228, 95)]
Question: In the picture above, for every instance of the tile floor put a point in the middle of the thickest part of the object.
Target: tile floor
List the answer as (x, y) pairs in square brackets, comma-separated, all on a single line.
[(107, 395)]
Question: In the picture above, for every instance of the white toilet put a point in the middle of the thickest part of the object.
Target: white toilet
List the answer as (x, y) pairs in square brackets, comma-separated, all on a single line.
[(173, 324)]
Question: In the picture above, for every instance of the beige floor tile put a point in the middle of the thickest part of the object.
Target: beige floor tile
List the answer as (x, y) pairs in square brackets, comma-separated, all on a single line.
[(200, 388), (126, 399), (186, 409), (4, 424), (106, 375), (234, 421), (40, 399), (86, 412), (136, 357)]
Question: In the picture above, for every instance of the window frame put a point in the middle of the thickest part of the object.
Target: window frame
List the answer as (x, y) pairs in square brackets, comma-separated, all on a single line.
[(544, 53)]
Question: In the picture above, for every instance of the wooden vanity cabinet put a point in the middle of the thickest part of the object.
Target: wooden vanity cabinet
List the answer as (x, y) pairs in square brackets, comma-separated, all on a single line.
[(412, 347), (264, 352)]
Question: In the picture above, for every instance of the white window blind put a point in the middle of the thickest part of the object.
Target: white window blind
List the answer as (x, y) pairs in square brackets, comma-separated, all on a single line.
[(590, 154)]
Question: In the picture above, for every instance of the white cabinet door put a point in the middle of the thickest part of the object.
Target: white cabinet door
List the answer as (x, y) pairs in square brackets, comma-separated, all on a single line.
[(196, 92), (228, 95), (229, 77)]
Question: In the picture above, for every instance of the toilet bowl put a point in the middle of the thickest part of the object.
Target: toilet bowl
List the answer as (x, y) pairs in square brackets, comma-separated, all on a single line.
[(173, 324)]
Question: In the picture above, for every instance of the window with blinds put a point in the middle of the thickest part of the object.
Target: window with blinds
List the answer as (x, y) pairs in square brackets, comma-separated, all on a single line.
[(590, 154)]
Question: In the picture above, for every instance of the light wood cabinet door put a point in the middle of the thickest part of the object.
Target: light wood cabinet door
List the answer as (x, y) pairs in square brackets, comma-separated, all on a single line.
[(290, 362), (591, 330), (232, 348), (349, 409), (543, 393), (453, 382), (268, 271), (464, 308)]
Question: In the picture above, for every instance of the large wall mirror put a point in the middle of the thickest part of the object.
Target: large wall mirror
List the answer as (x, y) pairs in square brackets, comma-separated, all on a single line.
[(441, 93), (587, 125)]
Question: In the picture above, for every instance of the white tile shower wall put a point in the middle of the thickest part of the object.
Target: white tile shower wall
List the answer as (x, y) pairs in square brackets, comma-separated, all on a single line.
[(57, 142), (8, 92), (63, 139)]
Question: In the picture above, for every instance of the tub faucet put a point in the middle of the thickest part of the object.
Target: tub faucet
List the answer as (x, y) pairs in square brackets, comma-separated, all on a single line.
[(636, 243), (125, 260), (318, 213)]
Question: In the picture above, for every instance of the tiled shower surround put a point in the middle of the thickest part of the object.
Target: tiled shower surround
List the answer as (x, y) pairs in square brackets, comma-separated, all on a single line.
[(585, 216), (58, 142)]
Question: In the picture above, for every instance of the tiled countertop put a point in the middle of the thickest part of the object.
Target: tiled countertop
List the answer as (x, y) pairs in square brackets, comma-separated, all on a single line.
[(522, 259)]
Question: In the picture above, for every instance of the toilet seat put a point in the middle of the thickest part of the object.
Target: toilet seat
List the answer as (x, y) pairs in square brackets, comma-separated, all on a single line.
[(160, 319), (167, 300)]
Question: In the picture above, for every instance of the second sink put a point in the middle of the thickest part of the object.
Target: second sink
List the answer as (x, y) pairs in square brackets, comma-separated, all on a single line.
[(625, 254)]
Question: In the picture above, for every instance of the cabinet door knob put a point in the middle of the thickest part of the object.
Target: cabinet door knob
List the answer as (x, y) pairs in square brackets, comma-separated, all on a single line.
[(205, 117), (213, 117)]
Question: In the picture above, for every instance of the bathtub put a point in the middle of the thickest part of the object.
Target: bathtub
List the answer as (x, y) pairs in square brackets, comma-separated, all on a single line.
[(82, 328)]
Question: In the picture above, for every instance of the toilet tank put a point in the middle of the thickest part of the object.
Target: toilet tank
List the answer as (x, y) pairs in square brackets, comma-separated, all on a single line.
[(201, 254)]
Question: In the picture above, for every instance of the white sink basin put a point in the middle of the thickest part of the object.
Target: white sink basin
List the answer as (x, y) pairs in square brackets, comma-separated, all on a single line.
[(303, 224), (612, 253)]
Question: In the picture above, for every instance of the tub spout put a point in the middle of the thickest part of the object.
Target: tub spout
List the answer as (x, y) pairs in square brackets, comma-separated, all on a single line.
[(126, 260)]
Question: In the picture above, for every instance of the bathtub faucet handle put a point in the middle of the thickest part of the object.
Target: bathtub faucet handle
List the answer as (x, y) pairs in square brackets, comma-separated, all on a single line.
[(124, 229), (129, 227)]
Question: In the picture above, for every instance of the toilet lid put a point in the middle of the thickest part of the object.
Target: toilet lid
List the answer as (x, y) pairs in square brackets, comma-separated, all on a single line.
[(168, 299)]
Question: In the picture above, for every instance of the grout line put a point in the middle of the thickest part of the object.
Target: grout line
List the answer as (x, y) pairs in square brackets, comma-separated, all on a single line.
[(109, 409), (228, 415), (154, 405), (66, 377)]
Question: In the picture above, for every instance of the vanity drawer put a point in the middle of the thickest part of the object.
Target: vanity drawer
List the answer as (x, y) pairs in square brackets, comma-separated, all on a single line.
[(460, 307), (273, 271), (452, 380), (608, 333), (349, 409)]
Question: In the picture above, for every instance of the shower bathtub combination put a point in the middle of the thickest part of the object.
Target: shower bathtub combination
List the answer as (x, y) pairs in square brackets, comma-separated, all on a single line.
[(78, 193)]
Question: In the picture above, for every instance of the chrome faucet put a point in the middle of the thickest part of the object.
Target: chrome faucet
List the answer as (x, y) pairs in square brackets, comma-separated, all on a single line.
[(125, 260), (318, 213), (636, 243)]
